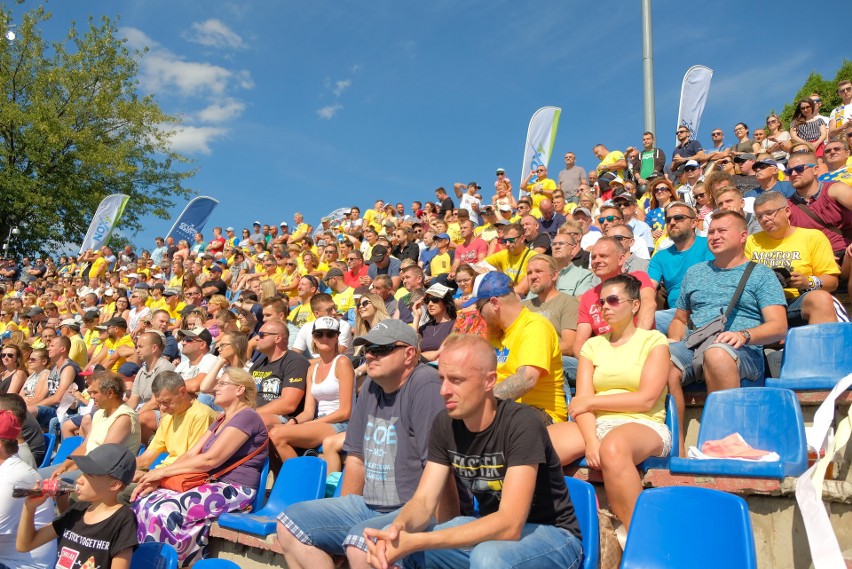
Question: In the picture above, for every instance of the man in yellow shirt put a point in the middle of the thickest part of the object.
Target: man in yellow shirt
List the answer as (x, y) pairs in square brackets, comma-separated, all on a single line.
[(512, 260), (802, 259), (118, 346), (529, 362), (539, 188), (175, 306), (441, 263), (70, 328)]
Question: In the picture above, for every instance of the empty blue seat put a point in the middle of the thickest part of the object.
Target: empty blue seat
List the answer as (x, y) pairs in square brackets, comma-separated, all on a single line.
[(300, 479), (655, 539), (815, 357), (215, 564), (151, 555), (656, 462), (260, 497), (586, 509), (49, 445), (163, 455), (67, 446), (767, 418)]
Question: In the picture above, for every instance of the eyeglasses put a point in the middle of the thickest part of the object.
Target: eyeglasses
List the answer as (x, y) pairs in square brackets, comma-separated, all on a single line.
[(378, 351), (609, 218), (800, 168), (364, 303), (833, 149), (432, 300), (8, 355), (500, 174), (541, 170), (723, 162), (505, 240), (770, 121), (559, 244), (699, 196), (817, 100), (621, 237), (844, 90), (678, 218), (263, 334), (221, 383), (682, 131), (770, 213), (717, 134), (289, 264), (34, 359), (325, 334), (612, 300)]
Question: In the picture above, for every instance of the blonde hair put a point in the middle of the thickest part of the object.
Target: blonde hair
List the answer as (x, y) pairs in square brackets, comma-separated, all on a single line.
[(241, 377)]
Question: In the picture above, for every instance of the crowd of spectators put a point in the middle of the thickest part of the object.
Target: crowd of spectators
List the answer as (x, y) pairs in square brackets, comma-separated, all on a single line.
[(275, 340)]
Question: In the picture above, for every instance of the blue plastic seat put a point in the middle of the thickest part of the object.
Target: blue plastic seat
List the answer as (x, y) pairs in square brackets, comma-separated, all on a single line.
[(67, 446), (141, 450), (661, 515), (586, 509), (815, 357), (767, 418), (151, 555), (656, 462), (300, 479), (49, 445), (260, 497), (163, 455), (215, 564)]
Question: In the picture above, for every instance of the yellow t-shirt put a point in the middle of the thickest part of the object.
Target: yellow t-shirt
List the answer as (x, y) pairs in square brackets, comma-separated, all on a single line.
[(805, 251), (176, 282), (92, 337), (345, 301), (176, 434), (546, 185), (454, 231), (301, 315), (374, 218), (113, 345), (612, 158), (531, 340), (160, 304), (513, 265), (174, 315), (98, 268), (487, 232), (619, 369), (79, 351), (440, 264)]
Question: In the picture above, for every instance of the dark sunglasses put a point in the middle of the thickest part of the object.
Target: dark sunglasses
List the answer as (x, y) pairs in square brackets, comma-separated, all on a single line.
[(621, 237), (800, 168), (8, 355), (661, 189), (325, 334), (504, 240), (690, 169), (263, 334), (698, 196), (364, 303), (681, 131), (378, 351), (678, 218), (609, 218), (432, 300), (613, 300), (723, 162)]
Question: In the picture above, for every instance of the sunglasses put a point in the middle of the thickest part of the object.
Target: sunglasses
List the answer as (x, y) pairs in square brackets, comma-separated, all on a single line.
[(609, 218), (690, 169), (364, 303), (263, 334), (325, 334), (621, 237), (681, 131), (800, 168), (659, 189), (505, 240), (8, 355), (612, 300), (723, 162), (432, 300), (699, 196), (760, 166), (378, 351), (678, 218)]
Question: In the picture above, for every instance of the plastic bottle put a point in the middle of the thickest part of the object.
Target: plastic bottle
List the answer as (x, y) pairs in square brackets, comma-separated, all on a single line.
[(49, 487)]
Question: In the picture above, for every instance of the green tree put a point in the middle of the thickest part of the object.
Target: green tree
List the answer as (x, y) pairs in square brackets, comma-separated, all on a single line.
[(826, 88), (73, 129)]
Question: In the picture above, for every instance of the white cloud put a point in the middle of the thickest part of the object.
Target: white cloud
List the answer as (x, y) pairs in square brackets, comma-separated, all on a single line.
[(214, 33), (341, 86), (329, 111), (221, 111), (195, 139)]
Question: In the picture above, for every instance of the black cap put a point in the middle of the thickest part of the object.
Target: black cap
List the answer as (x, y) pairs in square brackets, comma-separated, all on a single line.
[(117, 321), (108, 460), (333, 272), (379, 253)]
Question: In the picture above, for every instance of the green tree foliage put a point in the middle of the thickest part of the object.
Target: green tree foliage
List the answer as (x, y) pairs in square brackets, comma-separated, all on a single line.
[(72, 131), (826, 88)]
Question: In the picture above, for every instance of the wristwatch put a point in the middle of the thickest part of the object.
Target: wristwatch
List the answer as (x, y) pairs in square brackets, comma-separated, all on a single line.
[(747, 335)]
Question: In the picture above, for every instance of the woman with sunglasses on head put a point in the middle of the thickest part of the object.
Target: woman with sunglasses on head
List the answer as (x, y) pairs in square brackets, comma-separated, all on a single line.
[(807, 126), (440, 319), (619, 408), (329, 396), (777, 141), (662, 193), (35, 386), (12, 370)]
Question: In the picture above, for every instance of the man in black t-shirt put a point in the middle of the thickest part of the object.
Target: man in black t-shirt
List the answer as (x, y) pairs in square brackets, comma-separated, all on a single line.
[(445, 204), (279, 374), (500, 452)]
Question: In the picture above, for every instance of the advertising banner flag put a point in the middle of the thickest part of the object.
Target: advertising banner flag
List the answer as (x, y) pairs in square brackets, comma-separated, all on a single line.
[(541, 135), (693, 96), (104, 221), (194, 217)]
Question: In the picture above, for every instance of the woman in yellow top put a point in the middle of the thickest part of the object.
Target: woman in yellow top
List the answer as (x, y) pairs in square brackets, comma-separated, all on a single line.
[(619, 409)]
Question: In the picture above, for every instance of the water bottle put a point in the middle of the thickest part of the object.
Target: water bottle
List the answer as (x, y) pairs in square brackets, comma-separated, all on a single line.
[(48, 487)]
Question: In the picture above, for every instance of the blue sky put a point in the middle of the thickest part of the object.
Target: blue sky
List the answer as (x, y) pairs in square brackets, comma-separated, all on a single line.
[(308, 106)]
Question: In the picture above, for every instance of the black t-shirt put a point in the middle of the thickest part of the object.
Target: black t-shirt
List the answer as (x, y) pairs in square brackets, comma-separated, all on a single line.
[(446, 205), (582, 259), (220, 285), (516, 437), (272, 377), (93, 546), (32, 435), (410, 251), (541, 240)]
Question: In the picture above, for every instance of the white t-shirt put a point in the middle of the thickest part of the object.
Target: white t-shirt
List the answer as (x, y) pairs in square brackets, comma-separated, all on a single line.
[(304, 339), (590, 239), (13, 470), (467, 202), (188, 371)]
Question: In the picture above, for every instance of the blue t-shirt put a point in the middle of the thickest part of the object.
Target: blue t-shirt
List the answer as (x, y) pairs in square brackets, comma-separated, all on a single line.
[(706, 291), (782, 186), (670, 265)]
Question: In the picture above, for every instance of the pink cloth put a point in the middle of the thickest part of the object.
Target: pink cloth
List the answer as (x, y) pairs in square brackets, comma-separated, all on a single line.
[(732, 446)]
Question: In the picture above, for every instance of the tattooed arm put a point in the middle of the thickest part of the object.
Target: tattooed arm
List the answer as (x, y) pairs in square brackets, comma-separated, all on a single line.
[(518, 384)]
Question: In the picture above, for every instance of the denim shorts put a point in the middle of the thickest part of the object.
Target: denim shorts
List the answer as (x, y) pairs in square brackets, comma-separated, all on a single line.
[(333, 523), (749, 361)]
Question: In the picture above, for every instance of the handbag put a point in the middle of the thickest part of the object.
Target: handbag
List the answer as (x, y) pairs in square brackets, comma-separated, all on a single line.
[(703, 337), (190, 480)]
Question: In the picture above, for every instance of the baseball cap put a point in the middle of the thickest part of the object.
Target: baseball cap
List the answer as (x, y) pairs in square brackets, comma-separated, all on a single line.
[(215, 267), (333, 272), (501, 170), (70, 322), (108, 459), (283, 224), (617, 180), (505, 207), (198, 332), (169, 291), (388, 332), (256, 223), (583, 210), (379, 253), (10, 427), (326, 323), (117, 321), (744, 157), (91, 315), (34, 311), (442, 236), (624, 194), (109, 292), (475, 185), (769, 162), (229, 229), (693, 163), (89, 371), (128, 369), (488, 286)]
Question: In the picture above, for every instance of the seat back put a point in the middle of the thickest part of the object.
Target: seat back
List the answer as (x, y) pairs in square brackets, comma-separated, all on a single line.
[(309, 471), (768, 418), (817, 352), (721, 519), (260, 497), (674, 429), (586, 509), (49, 445), (152, 555), (67, 446), (160, 458), (215, 564)]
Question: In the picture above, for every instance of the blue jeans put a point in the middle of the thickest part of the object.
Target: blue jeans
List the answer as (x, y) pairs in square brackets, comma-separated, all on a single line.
[(207, 399), (540, 546), (749, 361), (569, 371), (333, 523), (44, 415), (664, 319)]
